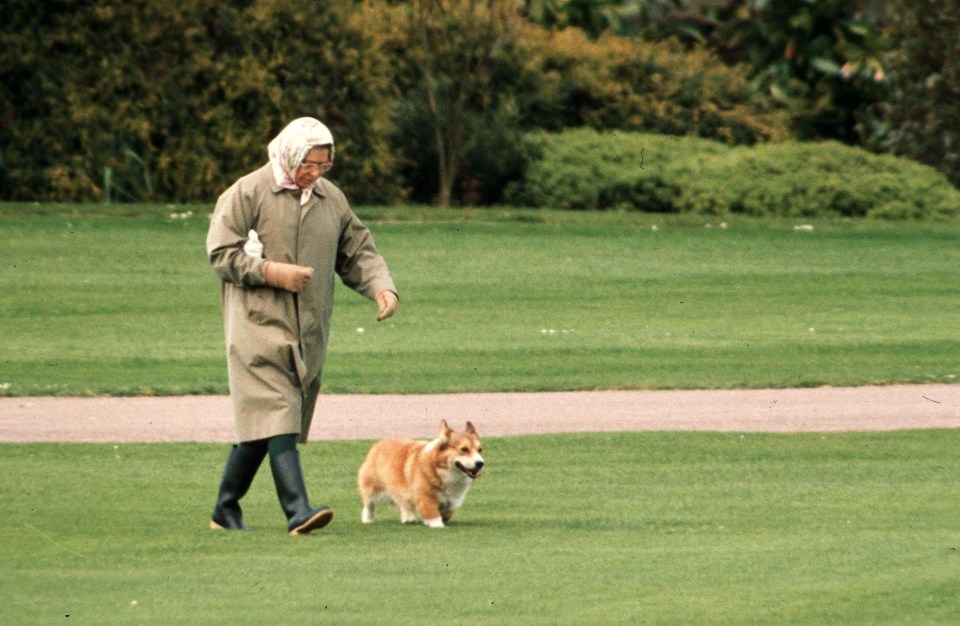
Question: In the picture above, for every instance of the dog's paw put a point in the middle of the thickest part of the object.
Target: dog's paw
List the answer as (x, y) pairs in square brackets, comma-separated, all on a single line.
[(436, 522)]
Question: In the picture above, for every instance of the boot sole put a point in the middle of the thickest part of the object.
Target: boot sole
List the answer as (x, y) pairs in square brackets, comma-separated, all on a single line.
[(216, 526), (316, 522)]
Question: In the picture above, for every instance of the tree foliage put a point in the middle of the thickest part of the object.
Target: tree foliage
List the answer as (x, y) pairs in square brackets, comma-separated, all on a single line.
[(818, 59), (920, 116), (632, 84), (592, 16), (140, 100), (455, 66), (428, 99)]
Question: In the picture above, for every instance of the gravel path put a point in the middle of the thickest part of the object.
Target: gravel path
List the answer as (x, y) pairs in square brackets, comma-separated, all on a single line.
[(208, 418)]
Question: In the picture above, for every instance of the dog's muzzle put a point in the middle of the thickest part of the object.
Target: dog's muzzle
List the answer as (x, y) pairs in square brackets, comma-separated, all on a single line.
[(472, 472)]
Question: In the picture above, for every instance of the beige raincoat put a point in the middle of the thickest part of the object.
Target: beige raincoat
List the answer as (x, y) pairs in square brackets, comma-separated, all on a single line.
[(277, 340)]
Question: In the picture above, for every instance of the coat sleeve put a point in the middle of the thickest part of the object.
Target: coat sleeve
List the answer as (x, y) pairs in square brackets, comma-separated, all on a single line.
[(359, 265), (232, 220)]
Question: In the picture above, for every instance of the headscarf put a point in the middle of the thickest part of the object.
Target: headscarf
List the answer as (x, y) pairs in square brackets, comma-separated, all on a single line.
[(288, 150)]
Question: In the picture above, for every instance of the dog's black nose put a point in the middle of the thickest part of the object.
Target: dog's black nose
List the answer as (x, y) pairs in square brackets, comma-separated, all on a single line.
[(478, 465)]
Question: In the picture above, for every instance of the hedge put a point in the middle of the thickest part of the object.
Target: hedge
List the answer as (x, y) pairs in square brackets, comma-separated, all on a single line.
[(588, 169), (138, 100), (631, 84)]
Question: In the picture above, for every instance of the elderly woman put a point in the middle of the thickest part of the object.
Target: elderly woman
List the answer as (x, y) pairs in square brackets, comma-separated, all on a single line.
[(276, 239)]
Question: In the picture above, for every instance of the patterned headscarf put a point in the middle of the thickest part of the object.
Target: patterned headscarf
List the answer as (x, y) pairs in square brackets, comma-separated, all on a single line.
[(288, 150)]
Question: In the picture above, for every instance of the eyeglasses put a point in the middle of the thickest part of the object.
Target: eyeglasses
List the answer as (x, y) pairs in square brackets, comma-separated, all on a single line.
[(323, 168)]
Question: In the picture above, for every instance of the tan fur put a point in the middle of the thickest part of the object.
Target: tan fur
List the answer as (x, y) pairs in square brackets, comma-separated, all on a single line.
[(425, 479)]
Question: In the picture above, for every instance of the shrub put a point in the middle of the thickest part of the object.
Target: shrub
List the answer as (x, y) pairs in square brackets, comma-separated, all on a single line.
[(919, 118), (819, 179), (818, 60), (631, 84), (455, 72), (176, 99), (587, 169)]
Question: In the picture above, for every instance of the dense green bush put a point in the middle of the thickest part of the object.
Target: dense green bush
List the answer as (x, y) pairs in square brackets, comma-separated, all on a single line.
[(818, 60), (920, 117), (587, 169), (140, 100), (133, 100), (816, 179), (631, 84), (540, 78), (456, 71)]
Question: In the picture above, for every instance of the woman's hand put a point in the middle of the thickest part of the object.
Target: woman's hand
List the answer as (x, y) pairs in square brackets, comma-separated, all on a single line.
[(286, 276), (387, 302)]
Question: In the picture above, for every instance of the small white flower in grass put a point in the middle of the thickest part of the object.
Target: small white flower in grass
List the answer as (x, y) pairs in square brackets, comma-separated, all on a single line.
[(4, 386), (549, 332), (803, 228), (360, 330)]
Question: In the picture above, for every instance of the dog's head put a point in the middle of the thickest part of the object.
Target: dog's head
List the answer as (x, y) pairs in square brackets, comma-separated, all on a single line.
[(461, 451)]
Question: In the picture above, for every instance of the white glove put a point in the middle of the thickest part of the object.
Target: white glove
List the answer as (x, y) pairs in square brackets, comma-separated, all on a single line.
[(253, 247)]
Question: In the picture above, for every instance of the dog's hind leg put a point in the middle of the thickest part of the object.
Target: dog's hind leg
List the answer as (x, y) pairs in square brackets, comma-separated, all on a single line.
[(368, 515)]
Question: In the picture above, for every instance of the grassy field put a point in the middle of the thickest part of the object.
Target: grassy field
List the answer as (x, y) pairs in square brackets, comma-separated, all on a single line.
[(643, 528), (121, 301), (637, 528)]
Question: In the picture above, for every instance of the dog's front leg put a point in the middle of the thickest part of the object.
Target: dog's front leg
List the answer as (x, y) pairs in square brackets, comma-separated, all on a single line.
[(408, 514), (429, 510)]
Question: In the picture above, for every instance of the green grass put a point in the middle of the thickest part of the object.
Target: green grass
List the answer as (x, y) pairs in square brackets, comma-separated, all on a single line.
[(642, 528), (639, 528), (120, 300)]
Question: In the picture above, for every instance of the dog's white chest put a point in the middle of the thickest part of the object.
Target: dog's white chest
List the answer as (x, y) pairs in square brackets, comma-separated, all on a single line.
[(455, 488)]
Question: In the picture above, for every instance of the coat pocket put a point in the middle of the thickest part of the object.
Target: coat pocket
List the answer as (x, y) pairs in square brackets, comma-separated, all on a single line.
[(271, 307), (296, 361)]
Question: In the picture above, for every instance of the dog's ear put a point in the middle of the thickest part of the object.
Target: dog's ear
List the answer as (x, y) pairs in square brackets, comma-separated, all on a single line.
[(470, 429), (445, 433)]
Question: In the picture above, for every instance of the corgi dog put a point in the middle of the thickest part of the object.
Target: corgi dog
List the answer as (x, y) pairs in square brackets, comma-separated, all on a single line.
[(425, 479)]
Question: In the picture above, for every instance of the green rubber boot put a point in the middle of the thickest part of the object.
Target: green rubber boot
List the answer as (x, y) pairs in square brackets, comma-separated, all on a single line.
[(292, 493), (242, 466)]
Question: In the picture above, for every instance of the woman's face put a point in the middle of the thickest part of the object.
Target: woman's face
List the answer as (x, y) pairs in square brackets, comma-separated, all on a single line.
[(317, 163)]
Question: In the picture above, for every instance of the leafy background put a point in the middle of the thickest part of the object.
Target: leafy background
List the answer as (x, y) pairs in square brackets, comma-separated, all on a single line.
[(133, 100)]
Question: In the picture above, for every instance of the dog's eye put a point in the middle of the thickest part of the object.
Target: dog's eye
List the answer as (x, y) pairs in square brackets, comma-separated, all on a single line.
[(479, 450), (464, 449)]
